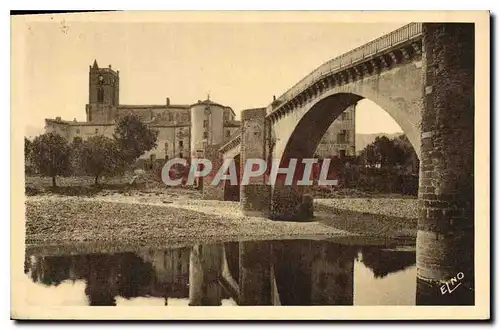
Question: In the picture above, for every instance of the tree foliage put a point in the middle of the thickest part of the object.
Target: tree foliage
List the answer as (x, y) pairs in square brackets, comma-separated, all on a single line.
[(100, 156), (50, 155), (27, 147), (134, 138), (76, 147), (384, 152)]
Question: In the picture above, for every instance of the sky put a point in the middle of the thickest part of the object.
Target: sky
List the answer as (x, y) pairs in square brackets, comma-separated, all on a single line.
[(240, 64)]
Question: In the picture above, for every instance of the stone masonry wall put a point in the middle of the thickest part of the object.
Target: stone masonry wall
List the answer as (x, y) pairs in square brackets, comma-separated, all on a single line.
[(445, 239), (213, 192), (255, 196)]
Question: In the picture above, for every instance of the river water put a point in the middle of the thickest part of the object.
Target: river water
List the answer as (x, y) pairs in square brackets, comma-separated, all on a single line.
[(279, 272)]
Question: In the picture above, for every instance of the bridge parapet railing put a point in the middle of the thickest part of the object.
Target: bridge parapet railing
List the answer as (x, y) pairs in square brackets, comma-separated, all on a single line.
[(399, 36)]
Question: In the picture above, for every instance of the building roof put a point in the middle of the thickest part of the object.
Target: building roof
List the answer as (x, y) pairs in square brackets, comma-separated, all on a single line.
[(85, 123), (153, 106), (208, 102), (76, 123)]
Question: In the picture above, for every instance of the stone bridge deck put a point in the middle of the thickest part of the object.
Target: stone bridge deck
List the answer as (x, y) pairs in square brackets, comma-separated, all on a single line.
[(410, 33)]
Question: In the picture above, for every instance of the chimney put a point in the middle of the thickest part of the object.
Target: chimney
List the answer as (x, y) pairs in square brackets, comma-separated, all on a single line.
[(274, 97), (58, 118), (109, 66), (168, 101)]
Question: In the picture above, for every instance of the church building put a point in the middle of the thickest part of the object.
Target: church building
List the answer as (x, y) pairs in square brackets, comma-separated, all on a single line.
[(184, 129)]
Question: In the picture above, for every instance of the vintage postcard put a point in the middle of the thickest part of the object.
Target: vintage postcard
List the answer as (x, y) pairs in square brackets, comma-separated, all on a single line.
[(272, 160)]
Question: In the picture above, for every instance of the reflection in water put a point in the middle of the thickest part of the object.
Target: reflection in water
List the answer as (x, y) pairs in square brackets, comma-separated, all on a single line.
[(285, 272), (383, 262)]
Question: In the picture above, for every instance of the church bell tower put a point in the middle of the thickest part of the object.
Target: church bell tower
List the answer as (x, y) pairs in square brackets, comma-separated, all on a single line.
[(104, 86)]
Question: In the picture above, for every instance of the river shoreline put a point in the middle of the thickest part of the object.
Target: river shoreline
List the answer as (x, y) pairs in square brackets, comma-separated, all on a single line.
[(141, 220)]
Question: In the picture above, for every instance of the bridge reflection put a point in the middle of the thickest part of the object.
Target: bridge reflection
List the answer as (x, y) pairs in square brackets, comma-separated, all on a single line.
[(287, 272)]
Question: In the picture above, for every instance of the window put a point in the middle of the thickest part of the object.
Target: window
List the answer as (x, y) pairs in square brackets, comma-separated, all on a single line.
[(181, 155), (96, 131), (166, 150), (100, 95), (205, 123), (205, 135), (77, 131), (342, 153), (177, 117), (228, 133), (170, 117), (181, 143), (342, 137), (344, 116)]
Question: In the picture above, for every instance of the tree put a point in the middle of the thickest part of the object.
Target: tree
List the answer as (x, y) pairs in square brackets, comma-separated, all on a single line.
[(100, 156), (388, 153), (404, 150), (50, 155), (76, 147), (28, 146), (384, 149), (134, 138)]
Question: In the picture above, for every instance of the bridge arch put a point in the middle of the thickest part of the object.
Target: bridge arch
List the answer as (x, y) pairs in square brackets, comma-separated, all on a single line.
[(299, 135), (435, 90), (298, 122), (310, 128)]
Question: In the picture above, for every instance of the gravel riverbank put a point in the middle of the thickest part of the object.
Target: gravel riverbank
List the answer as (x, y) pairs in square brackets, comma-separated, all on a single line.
[(74, 220), (377, 217), (395, 207), (173, 217)]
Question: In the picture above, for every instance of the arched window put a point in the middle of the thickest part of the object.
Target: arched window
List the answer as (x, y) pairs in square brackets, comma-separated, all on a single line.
[(100, 95)]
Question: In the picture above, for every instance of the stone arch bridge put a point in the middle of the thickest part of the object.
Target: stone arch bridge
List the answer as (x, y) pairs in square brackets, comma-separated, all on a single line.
[(422, 74)]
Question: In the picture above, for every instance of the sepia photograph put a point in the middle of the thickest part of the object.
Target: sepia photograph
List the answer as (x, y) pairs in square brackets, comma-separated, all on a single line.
[(276, 160)]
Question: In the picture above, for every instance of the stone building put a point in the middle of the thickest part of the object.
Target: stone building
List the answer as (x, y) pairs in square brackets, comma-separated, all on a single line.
[(177, 131), (184, 130), (339, 140)]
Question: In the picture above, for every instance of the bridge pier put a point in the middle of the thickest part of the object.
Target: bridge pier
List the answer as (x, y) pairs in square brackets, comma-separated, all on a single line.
[(211, 191), (205, 268), (445, 239), (290, 203), (255, 274), (254, 196)]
